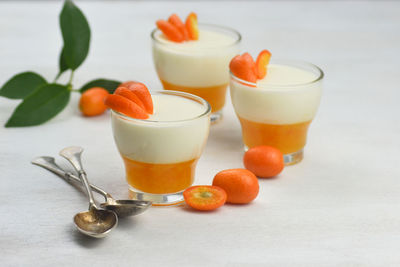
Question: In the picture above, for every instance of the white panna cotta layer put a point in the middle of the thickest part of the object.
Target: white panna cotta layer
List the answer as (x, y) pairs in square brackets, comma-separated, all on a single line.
[(170, 135), (200, 63), (287, 95)]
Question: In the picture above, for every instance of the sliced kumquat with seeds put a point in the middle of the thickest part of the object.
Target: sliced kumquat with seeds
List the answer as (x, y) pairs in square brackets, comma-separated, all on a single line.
[(125, 106), (170, 31), (243, 67), (205, 197), (125, 92), (143, 94), (177, 22), (192, 26), (241, 185), (262, 63)]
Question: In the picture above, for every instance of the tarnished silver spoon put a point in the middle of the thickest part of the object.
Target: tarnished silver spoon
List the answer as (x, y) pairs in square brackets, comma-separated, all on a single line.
[(122, 207), (95, 222)]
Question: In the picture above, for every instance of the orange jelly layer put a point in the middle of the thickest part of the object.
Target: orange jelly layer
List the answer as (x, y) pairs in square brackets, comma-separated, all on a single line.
[(288, 138), (157, 178), (215, 95)]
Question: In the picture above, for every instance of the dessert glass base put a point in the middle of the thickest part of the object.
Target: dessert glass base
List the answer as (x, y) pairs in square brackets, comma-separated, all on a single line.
[(216, 116), (157, 199), (293, 158), (290, 158)]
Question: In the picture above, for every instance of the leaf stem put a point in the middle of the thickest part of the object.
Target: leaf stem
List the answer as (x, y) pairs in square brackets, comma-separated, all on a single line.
[(70, 78), (69, 84), (57, 77)]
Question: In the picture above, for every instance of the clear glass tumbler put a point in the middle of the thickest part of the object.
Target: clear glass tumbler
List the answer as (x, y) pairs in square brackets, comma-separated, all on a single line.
[(198, 67), (278, 114), (160, 155)]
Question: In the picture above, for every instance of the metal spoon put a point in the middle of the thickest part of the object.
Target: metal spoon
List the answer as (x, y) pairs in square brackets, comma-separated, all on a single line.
[(95, 222), (123, 207)]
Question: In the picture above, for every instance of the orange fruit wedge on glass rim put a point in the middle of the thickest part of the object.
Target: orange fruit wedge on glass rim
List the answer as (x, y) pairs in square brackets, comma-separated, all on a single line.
[(177, 31), (244, 67), (175, 20), (132, 99)]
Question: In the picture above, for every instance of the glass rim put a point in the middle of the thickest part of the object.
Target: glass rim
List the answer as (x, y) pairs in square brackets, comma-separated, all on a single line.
[(236, 41), (287, 86), (175, 93)]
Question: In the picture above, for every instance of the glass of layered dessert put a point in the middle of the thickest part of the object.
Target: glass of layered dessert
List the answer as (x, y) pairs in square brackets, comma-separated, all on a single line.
[(195, 59), (161, 151), (276, 108)]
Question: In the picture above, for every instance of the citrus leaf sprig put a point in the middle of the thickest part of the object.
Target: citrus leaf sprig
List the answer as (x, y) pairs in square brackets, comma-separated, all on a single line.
[(43, 100)]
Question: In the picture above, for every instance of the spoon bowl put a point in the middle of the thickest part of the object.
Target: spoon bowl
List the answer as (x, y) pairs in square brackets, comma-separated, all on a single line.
[(124, 208), (95, 223)]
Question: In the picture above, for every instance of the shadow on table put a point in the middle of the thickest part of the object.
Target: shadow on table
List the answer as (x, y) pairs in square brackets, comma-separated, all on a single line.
[(126, 223), (83, 240), (188, 209)]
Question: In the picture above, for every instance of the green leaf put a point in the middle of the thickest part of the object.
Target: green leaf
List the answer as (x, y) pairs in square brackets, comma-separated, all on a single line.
[(40, 106), (62, 63), (109, 85), (21, 85), (76, 35)]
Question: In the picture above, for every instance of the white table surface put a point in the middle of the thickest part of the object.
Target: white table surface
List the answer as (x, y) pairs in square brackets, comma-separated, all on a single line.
[(339, 207)]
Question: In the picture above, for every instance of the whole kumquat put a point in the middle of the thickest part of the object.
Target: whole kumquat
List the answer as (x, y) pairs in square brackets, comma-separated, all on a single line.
[(264, 161), (91, 102), (240, 185)]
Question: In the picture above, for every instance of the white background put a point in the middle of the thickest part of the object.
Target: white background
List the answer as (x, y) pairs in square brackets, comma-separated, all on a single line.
[(339, 207)]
